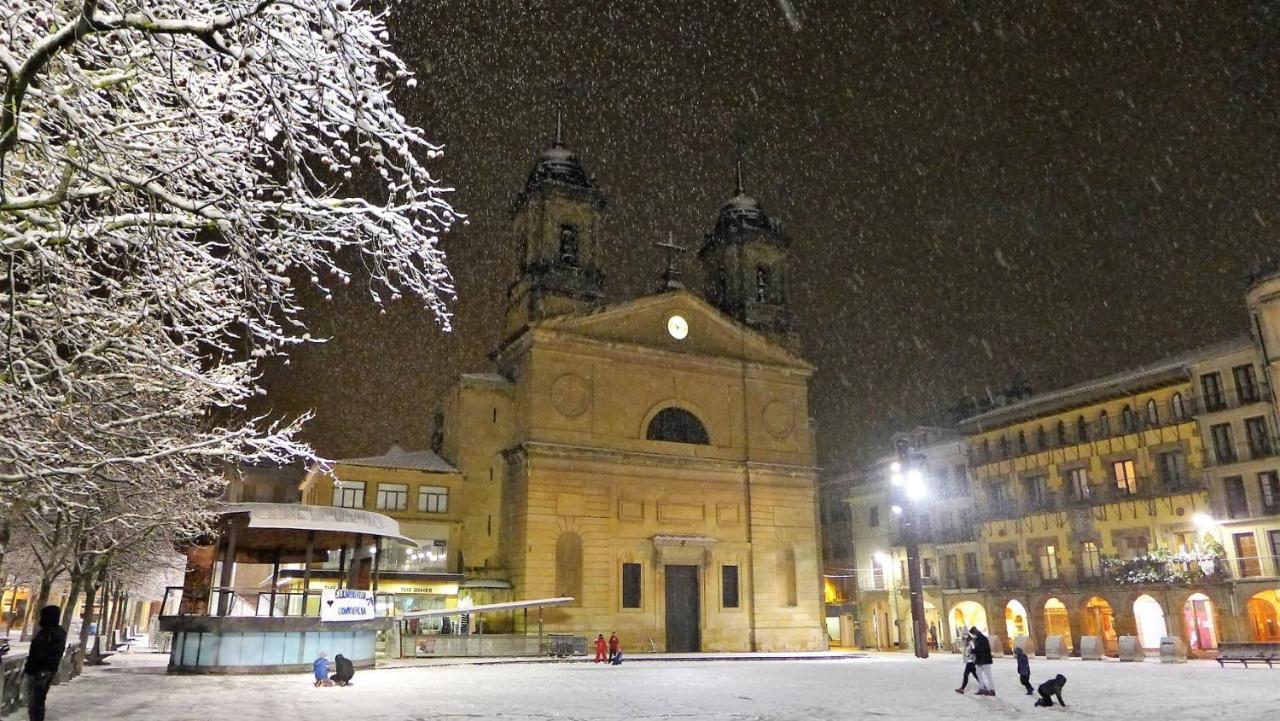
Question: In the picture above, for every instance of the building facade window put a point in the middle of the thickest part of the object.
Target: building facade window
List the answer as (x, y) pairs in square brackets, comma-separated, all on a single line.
[(1237, 502), (1000, 492), (1246, 383), (1274, 538), (349, 494), (1004, 446), (1270, 484), (631, 595), (1022, 441), (433, 499), (1211, 385), (1128, 423), (569, 245), (1037, 491), (972, 579), (1247, 555), (1153, 413), (1008, 566), (1104, 425), (1178, 407), (1042, 438), (1125, 477), (392, 496), (1223, 450), (764, 284), (873, 516), (1172, 468), (729, 586), (1078, 478), (1082, 430), (1255, 430), (676, 425), (569, 566), (1048, 563), (1062, 433), (1090, 560)]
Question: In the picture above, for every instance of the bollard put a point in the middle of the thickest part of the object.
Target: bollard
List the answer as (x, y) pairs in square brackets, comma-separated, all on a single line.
[(1054, 647), (1131, 649), (1090, 648), (1173, 650)]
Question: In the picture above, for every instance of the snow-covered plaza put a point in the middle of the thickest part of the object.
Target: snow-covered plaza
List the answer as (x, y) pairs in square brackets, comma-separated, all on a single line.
[(877, 686)]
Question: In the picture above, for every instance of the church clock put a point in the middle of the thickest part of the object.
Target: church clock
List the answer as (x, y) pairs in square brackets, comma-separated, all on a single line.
[(678, 327)]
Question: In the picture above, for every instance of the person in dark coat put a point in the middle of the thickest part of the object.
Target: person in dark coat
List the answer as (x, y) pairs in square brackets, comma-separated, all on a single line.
[(982, 663), (1024, 669), (43, 658), (344, 670), (1052, 687), (614, 646)]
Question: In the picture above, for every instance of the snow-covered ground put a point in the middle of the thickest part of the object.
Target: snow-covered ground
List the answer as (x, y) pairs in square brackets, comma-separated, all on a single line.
[(879, 686)]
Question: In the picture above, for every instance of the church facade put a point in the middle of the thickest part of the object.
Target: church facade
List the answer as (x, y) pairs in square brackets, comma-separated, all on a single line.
[(651, 458)]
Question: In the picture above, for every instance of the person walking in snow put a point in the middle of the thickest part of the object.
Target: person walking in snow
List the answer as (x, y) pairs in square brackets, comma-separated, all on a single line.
[(1052, 687), (1024, 669), (43, 658), (601, 647), (969, 669), (614, 646), (982, 663)]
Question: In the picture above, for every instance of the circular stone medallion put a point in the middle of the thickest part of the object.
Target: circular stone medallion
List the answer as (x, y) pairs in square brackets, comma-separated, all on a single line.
[(570, 394), (778, 419)]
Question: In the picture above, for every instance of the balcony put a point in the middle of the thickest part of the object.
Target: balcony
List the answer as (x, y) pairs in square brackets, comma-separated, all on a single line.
[(1226, 454), (1227, 400)]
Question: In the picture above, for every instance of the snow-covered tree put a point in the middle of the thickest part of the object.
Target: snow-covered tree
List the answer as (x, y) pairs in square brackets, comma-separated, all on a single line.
[(170, 170)]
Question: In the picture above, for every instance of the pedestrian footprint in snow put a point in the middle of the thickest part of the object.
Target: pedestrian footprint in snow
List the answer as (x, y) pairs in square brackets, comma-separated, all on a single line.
[(1052, 687), (1024, 669), (969, 669)]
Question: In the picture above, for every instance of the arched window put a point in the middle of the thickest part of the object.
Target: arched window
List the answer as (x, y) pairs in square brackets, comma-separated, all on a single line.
[(569, 565), (1042, 439), (1022, 441), (1127, 421), (986, 450), (1153, 413), (569, 245), (764, 284), (1004, 446), (1104, 425), (1179, 408), (1082, 430), (677, 426), (1062, 433)]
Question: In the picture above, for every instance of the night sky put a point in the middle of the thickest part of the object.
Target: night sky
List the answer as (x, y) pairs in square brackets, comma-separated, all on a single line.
[(975, 193)]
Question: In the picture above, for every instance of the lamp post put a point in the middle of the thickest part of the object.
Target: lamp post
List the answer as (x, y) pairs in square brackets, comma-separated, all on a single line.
[(909, 482)]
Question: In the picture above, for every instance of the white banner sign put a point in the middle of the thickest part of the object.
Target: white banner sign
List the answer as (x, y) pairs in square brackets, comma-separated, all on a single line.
[(346, 604)]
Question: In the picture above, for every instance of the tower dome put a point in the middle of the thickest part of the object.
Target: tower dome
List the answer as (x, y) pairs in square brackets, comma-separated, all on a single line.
[(559, 164)]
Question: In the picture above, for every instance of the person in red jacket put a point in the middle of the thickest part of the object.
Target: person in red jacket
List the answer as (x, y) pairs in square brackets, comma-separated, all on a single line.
[(614, 646), (601, 647)]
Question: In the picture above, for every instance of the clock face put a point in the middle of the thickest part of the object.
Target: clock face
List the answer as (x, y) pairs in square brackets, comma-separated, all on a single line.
[(678, 327)]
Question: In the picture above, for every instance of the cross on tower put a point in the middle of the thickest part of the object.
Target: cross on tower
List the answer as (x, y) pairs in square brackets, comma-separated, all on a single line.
[(671, 273)]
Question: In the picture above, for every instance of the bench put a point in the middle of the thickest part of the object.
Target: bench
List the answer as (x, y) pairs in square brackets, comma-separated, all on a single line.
[(1246, 655)]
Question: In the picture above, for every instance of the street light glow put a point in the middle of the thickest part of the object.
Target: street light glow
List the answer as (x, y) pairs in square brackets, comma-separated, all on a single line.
[(896, 479), (882, 557), (895, 467), (915, 476), (897, 510)]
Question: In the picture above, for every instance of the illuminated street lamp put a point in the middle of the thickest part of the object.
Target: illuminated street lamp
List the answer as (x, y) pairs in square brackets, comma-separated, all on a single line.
[(913, 488)]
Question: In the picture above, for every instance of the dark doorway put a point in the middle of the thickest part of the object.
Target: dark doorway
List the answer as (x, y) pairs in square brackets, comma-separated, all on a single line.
[(683, 610)]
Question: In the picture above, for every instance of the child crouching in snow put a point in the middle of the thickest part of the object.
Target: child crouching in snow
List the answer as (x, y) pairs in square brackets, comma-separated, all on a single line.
[(1052, 687), (321, 670)]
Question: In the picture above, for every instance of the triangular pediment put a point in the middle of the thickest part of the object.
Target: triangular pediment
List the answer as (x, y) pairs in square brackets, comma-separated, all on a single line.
[(645, 322)]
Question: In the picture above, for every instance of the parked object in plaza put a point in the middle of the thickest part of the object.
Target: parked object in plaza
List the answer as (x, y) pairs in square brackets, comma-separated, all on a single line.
[(1052, 688), (43, 657)]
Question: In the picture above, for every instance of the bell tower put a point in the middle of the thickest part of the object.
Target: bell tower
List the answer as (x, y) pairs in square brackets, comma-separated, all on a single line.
[(556, 218), (744, 262)]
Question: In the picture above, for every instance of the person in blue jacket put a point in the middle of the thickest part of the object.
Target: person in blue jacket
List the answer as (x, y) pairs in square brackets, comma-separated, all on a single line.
[(321, 670)]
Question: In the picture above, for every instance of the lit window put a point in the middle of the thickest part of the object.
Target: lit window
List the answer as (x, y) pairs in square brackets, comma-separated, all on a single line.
[(349, 494), (1090, 560), (1125, 477), (433, 499), (393, 496)]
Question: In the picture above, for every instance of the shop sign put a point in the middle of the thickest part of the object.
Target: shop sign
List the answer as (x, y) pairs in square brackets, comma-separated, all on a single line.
[(346, 604)]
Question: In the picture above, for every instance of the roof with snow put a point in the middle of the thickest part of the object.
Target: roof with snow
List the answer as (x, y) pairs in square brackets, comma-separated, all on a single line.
[(1151, 375), (397, 457)]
